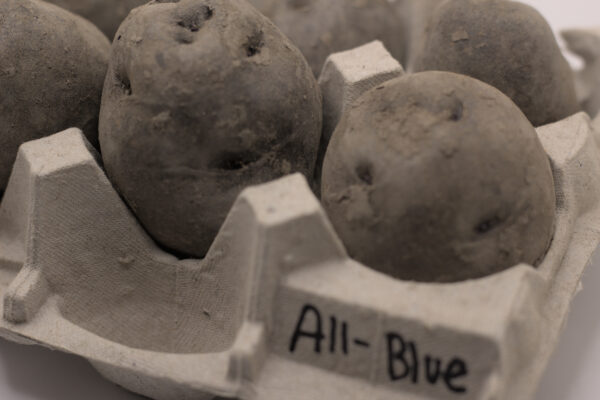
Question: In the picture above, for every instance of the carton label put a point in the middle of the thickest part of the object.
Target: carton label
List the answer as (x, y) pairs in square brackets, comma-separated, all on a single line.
[(403, 359), (408, 355)]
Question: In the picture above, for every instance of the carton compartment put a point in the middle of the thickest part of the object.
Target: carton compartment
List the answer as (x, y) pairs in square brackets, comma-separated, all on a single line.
[(106, 273), (277, 309)]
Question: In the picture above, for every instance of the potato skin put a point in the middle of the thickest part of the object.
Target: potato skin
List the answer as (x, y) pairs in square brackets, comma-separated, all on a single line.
[(52, 71), (203, 98), (322, 27), (508, 45), (107, 15), (438, 177), (267, 7)]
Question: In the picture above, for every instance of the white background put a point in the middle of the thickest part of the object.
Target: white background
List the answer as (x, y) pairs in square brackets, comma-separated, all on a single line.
[(35, 373)]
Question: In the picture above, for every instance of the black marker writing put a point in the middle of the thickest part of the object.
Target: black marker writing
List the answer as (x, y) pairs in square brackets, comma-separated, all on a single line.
[(403, 362), (310, 326), (316, 334)]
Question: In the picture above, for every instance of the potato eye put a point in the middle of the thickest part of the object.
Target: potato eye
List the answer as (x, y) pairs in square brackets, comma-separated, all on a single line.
[(364, 171), (488, 224), (232, 161)]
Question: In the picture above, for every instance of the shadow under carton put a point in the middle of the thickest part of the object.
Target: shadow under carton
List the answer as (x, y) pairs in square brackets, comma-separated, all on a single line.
[(277, 309)]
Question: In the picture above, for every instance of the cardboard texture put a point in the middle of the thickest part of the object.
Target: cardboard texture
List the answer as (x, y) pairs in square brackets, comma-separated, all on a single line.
[(345, 77), (277, 309), (585, 43), (349, 74)]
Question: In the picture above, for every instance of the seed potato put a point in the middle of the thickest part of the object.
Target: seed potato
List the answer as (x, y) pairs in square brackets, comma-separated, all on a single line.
[(51, 75), (322, 27), (439, 177), (203, 98), (508, 45)]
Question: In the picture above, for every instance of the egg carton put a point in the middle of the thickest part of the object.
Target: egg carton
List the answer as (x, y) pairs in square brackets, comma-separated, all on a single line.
[(585, 43), (277, 309)]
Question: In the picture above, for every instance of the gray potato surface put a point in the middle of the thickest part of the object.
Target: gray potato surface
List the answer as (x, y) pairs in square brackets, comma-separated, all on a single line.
[(107, 15), (52, 71), (438, 177), (267, 7), (508, 45), (322, 27), (203, 98)]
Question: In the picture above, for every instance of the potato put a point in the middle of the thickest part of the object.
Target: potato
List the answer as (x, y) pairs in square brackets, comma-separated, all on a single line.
[(51, 75), (322, 27), (203, 98), (508, 45), (439, 177), (105, 14)]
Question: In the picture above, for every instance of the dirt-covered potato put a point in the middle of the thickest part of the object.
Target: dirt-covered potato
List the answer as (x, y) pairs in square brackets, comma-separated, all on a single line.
[(52, 70), (203, 98), (439, 177), (322, 27), (105, 14), (508, 45)]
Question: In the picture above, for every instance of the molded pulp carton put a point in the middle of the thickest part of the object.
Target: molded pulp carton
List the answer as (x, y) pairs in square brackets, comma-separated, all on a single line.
[(585, 43), (277, 309)]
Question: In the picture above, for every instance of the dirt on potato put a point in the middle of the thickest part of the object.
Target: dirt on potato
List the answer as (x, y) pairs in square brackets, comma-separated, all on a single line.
[(203, 98), (322, 27), (506, 44), (51, 75), (439, 177)]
